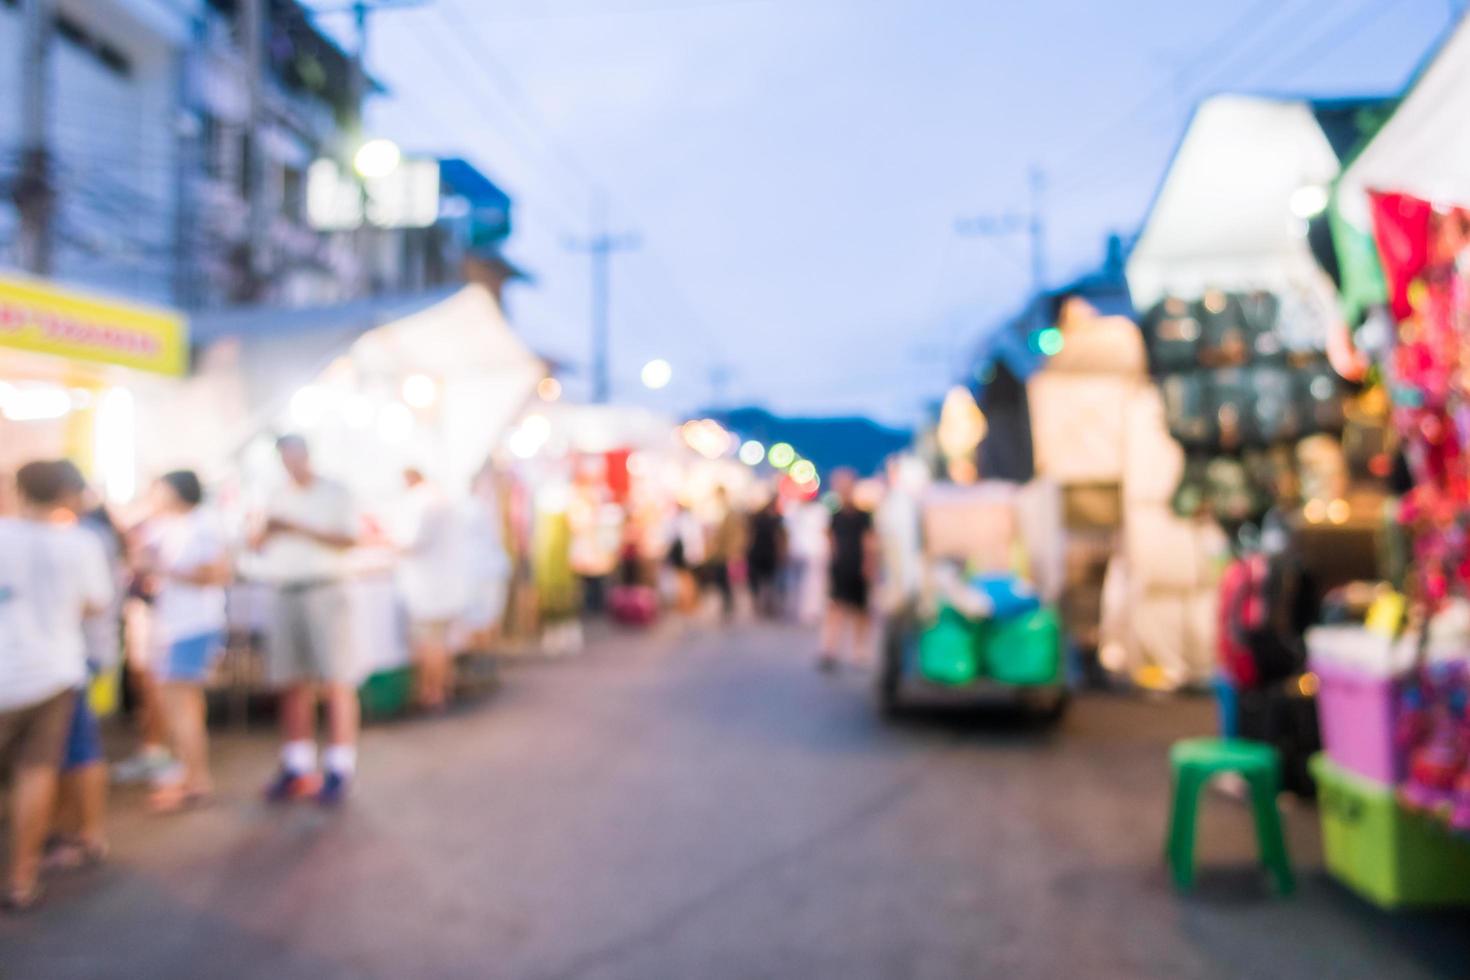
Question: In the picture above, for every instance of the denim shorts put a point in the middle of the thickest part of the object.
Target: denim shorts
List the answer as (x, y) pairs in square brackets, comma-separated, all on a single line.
[(84, 739), (190, 660)]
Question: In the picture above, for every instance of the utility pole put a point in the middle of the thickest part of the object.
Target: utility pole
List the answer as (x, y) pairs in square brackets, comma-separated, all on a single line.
[(600, 248), (35, 193), (1032, 224), (253, 26)]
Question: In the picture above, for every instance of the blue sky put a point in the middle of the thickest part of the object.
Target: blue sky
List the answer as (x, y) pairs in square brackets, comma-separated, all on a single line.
[(795, 167)]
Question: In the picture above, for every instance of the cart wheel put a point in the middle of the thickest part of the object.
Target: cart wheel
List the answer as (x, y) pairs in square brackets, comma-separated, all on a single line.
[(890, 669), (1049, 709)]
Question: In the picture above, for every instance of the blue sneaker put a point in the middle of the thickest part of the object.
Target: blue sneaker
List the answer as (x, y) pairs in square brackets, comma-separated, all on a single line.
[(333, 790), (288, 786)]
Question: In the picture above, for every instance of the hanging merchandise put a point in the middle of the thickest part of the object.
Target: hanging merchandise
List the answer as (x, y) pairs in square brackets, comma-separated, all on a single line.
[(1424, 249), (1173, 335), (1238, 385)]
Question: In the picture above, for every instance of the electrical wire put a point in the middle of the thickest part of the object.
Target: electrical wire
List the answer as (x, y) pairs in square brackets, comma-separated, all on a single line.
[(467, 36)]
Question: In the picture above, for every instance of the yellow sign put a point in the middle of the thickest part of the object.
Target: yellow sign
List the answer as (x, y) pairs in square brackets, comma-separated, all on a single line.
[(37, 316)]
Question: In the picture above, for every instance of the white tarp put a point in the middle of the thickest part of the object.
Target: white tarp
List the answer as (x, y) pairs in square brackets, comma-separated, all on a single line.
[(1223, 217), (252, 363), (1424, 148)]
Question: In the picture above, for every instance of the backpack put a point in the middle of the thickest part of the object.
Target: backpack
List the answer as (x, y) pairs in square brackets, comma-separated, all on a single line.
[(1261, 610)]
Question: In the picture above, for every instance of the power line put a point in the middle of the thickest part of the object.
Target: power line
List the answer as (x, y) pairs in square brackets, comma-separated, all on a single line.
[(464, 30), (472, 65), (1258, 13), (1320, 45), (1331, 39), (513, 93)]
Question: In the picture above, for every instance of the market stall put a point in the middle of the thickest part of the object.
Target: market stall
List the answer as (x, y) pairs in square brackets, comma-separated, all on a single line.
[(1140, 580), (74, 367), (1395, 687), (428, 381), (1244, 328), (602, 484)]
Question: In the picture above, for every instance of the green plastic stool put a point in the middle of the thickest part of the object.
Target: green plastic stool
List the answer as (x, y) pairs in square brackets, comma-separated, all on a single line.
[(1194, 762)]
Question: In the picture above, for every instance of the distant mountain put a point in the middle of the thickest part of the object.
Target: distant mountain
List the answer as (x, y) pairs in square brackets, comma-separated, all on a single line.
[(830, 443)]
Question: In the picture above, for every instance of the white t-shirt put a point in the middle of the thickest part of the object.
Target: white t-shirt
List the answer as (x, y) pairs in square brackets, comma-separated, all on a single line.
[(184, 543), (324, 506), (434, 569), (49, 576)]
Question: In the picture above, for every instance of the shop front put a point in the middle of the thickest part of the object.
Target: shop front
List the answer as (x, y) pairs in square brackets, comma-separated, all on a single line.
[(428, 381), (73, 367), (1250, 350), (1395, 683)]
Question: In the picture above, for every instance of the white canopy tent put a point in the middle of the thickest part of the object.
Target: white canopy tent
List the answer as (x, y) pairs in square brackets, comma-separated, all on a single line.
[(1424, 148), (1223, 217), (340, 371)]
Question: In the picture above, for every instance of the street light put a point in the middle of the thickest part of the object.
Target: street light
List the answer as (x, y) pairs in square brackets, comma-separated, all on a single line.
[(376, 158), (657, 374), (1310, 200)]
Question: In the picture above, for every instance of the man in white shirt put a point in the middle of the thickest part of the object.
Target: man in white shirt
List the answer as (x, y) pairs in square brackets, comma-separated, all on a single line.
[(52, 576), (311, 523)]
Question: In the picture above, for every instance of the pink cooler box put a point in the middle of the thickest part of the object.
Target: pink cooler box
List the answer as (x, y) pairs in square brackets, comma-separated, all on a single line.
[(1358, 714)]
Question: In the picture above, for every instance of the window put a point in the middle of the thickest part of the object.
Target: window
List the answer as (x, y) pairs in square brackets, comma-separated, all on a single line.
[(245, 165), (293, 192), (83, 38), (211, 145)]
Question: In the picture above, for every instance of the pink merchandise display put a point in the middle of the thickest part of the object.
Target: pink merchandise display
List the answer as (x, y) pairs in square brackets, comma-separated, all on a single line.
[(1358, 712)]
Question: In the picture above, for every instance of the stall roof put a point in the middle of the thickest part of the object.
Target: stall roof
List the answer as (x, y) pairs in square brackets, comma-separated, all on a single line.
[(1222, 216), (1424, 148), (350, 320), (457, 335)]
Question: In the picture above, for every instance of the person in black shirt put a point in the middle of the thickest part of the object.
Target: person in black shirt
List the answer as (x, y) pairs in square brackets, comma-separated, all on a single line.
[(764, 556), (850, 573)]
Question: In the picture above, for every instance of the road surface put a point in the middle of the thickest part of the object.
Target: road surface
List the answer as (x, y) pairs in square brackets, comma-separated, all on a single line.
[(703, 804)]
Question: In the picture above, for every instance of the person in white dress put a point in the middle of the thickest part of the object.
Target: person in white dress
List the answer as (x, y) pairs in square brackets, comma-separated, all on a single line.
[(433, 573), (188, 569)]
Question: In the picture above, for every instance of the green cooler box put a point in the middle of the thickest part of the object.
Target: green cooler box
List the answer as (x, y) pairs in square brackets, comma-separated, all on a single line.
[(949, 652), (1388, 855), (1026, 650)]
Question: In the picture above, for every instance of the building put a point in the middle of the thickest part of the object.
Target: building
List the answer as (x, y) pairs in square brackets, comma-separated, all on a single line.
[(1009, 354), (110, 115), (179, 174)]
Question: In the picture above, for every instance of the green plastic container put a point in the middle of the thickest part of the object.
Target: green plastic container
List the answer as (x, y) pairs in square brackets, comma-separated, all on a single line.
[(387, 693), (1026, 650), (1388, 855), (948, 650)]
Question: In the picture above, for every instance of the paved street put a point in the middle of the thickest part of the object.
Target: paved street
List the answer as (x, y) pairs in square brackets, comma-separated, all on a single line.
[(706, 805)]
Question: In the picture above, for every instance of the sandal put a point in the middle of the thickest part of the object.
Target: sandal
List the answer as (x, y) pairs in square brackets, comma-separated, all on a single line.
[(74, 854), (19, 901), (175, 798)]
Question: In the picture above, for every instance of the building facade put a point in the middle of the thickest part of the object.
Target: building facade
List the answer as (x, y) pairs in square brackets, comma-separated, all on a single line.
[(179, 138)]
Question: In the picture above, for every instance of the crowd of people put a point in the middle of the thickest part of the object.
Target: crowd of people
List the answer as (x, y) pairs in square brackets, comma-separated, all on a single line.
[(81, 596), (800, 559)]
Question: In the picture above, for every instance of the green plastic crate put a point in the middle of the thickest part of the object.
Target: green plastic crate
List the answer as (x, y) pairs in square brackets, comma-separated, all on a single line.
[(1392, 857), (1025, 650), (948, 650), (386, 693)]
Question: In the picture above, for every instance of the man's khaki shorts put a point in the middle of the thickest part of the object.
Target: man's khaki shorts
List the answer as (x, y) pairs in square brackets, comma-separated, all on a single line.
[(310, 637), (34, 737)]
